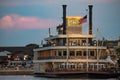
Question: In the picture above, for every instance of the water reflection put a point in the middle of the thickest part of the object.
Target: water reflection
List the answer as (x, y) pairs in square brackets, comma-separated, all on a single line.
[(27, 77)]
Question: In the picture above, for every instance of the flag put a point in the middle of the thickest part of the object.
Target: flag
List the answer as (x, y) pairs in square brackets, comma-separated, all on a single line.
[(83, 20)]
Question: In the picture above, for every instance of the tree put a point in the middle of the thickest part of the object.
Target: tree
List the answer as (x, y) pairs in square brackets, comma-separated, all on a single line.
[(33, 46), (118, 56)]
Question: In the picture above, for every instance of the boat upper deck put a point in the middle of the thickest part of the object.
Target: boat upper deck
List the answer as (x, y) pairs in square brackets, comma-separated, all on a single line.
[(71, 36), (70, 47)]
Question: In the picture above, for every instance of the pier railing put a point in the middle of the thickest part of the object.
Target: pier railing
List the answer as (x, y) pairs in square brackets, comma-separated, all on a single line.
[(15, 69), (80, 70), (64, 57)]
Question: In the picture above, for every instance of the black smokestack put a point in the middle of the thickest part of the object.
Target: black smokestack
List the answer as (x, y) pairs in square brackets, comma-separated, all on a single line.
[(64, 19), (90, 22)]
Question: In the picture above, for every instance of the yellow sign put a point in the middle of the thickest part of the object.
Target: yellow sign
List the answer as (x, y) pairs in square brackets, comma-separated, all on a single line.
[(73, 21)]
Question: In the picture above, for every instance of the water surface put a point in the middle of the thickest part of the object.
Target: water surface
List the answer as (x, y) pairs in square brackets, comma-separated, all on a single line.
[(30, 77)]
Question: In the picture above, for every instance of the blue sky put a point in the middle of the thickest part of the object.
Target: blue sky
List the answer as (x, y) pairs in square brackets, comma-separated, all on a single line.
[(27, 21)]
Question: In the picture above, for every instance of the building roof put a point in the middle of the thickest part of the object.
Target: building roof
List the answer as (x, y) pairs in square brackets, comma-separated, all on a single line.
[(4, 53)]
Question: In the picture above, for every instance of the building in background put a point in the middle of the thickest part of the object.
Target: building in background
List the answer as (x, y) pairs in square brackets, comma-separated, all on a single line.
[(17, 55)]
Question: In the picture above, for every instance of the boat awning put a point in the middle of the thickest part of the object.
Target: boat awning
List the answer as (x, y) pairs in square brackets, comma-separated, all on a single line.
[(70, 60), (70, 47), (71, 36)]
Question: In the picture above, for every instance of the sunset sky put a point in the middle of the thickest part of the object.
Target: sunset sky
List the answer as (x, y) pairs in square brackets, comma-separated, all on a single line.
[(27, 21)]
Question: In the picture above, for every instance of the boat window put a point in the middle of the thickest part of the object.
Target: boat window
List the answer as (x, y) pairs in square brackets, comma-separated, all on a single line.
[(91, 53), (78, 53), (72, 66), (85, 53), (72, 53), (64, 53), (55, 53), (59, 53), (78, 42), (83, 42)]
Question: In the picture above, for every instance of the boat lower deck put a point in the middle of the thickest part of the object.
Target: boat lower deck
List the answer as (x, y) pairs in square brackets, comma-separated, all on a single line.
[(78, 74)]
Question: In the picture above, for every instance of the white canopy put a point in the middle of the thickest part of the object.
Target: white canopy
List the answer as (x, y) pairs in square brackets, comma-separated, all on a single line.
[(4, 53), (109, 60)]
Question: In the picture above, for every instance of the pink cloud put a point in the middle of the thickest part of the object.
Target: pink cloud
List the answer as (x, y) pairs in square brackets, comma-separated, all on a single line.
[(23, 22), (10, 3)]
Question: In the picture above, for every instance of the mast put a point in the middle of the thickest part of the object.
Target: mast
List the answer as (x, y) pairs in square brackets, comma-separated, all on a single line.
[(97, 51), (49, 32), (87, 42), (87, 54), (67, 52)]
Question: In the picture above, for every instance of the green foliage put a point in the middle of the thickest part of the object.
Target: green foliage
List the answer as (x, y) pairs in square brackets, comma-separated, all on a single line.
[(118, 55), (118, 62), (118, 50)]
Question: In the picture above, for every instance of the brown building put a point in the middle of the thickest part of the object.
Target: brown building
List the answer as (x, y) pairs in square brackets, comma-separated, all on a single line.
[(21, 52)]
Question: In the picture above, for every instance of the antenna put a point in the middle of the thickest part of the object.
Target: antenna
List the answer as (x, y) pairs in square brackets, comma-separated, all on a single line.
[(49, 32)]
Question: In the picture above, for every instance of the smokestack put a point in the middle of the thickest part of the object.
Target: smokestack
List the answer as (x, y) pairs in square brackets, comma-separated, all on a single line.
[(90, 22), (64, 19), (90, 19)]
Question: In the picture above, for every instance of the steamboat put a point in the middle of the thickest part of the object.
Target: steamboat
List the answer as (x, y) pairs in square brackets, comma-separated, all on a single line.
[(73, 54)]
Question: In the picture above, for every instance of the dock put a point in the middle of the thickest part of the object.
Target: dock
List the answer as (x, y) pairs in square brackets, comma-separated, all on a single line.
[(14, 71)]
